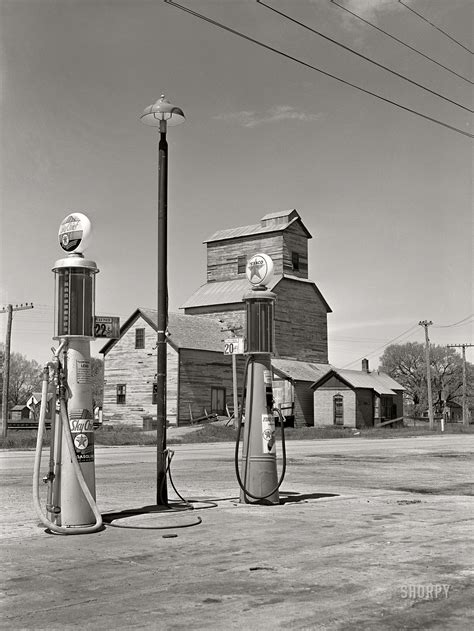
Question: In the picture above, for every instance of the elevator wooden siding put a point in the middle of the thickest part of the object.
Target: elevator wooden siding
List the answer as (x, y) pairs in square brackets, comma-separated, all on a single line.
[(300, 322), (222, 256)]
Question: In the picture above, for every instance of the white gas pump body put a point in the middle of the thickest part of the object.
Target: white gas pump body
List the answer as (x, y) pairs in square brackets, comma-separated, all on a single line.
[(259, 470), (74, 328)]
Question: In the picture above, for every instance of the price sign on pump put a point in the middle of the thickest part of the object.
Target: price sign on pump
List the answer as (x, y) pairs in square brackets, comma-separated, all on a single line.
[(234, 346)]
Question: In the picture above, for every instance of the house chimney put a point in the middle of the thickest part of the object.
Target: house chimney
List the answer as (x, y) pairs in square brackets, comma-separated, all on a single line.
[(365, 365)]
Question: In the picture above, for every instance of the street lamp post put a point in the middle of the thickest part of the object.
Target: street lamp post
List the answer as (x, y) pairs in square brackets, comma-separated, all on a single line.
[(160, 115)]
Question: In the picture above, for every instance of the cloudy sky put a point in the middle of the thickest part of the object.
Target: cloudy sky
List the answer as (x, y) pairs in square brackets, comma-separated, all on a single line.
[(385, 193)]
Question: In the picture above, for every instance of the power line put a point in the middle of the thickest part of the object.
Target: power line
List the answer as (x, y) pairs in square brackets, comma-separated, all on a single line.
[(410, 330), (369, 59), (307, 65), (447, 326), (419, 52), (436, 27)]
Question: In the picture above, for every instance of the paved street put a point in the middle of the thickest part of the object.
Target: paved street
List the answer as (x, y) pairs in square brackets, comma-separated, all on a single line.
[(370, 534)]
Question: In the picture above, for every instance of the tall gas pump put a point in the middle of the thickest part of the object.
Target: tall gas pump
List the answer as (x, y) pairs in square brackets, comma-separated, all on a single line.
[(259, 482), (71, 507)]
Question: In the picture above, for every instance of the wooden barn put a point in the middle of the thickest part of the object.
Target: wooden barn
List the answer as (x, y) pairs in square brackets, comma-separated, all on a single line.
[(356, 398), (199, 375)]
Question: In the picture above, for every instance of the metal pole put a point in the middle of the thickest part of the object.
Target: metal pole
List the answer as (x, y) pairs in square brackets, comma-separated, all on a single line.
[(162, 317), (234, 390)]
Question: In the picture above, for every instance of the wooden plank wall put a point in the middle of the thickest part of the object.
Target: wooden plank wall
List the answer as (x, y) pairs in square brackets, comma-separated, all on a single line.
[(199, 371), (294, 240), (364, 407), (304, 405), (222, 256), (136, 368), (300, 322)]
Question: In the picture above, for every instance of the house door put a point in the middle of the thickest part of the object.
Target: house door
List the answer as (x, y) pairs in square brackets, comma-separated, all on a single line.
[(338, 408), (218, 400)]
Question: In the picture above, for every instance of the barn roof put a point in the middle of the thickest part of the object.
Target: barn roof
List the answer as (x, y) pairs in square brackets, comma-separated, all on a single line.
[(184, 331), (272, 222), (381, 383), (299, 370), (231, 291)]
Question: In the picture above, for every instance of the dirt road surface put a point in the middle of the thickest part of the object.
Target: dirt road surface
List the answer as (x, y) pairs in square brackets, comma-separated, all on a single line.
[(370, 534)]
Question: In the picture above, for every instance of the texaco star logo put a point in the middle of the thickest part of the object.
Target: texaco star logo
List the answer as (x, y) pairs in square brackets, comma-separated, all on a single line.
[(255, 268), (81, 441)]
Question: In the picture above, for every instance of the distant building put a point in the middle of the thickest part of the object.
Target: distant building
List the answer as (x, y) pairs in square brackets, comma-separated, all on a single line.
[(19, 412), (199, 375), (34, 404), (356, 398), (300, 309)]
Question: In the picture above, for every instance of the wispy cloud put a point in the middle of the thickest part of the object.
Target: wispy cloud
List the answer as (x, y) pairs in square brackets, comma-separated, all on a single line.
[(369, 9), (275, 114)]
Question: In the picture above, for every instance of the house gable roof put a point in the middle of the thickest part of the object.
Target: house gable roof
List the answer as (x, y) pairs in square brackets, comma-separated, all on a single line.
[(381, 383), (183, 331), (296, 370)]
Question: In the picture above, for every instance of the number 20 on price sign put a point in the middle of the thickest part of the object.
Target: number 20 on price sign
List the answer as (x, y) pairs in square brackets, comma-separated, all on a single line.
[(234, 346)]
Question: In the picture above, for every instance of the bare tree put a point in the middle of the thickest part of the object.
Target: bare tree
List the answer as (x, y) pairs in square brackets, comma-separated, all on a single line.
[(406, 364)]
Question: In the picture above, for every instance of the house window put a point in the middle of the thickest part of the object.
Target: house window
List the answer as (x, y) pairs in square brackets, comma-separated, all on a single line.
[(338, 407), (295, 261), (218, 400), (121, 393), (139, 338), (241, 264), (154, 395)]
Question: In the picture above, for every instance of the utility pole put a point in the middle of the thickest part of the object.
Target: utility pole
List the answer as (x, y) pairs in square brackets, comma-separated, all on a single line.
[(426, 324), (465, 415), (6, 361)]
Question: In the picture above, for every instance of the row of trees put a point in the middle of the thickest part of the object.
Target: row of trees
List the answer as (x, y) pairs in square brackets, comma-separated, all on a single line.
[(406, 364), (26, 378)]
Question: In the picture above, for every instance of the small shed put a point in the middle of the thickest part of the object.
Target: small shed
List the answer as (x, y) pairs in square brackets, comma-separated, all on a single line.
[(19, 412), (292, 388), (34, 404), (356, 398)]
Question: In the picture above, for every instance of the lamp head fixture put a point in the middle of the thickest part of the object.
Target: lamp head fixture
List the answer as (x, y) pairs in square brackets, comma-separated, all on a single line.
[(162, 110)]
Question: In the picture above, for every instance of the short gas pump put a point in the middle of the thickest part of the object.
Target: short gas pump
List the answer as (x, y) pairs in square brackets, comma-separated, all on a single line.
[(71, 507), (258, 481)]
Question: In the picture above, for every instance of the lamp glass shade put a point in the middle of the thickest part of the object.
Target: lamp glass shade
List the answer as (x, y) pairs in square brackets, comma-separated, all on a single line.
[(162, 110)]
